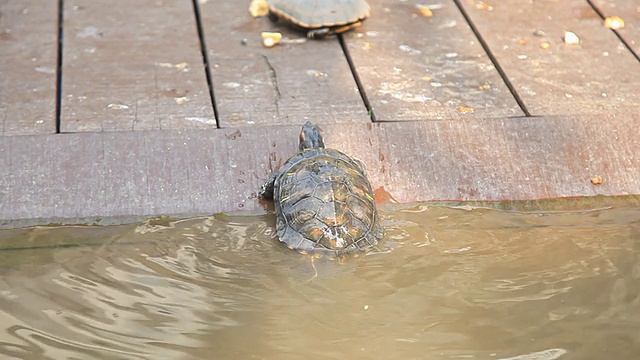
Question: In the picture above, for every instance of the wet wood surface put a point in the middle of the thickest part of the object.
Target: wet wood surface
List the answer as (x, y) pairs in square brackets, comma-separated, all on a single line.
[(139, 129), (28, 60)]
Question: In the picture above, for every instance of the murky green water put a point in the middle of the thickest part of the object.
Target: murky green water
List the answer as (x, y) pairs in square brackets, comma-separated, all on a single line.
[(447, 284)]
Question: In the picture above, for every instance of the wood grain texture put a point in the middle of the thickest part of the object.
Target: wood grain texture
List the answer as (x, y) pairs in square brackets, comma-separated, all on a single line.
[(207, 171), (290, 83), (133, 66), (415, 67), (28, 61), (598, 76), (629, 11)]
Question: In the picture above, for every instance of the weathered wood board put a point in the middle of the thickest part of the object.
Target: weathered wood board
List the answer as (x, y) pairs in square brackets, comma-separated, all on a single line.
[(415, 67), (597, 76), (28, 61), (138, 66), (133, 66), (208, 171), (290, 83), (629, 11)]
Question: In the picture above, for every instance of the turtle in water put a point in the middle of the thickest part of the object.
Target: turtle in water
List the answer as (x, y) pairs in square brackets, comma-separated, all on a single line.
[(323, 200), (320, 18)]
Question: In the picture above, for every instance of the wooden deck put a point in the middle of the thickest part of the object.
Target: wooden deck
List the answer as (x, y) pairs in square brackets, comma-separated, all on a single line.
[(110, 109)]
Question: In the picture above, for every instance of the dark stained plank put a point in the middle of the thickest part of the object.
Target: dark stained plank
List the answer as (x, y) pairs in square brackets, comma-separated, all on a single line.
[(415, 68), (28, 60), (206, 171), (629, 11), (133, 66), (598, 76), (287, 84)]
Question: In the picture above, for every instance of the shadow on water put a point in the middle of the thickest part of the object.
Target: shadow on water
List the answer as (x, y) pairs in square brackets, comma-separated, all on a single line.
[(447, 283)]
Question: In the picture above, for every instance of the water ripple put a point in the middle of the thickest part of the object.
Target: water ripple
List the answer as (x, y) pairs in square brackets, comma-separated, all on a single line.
[(445, 283)]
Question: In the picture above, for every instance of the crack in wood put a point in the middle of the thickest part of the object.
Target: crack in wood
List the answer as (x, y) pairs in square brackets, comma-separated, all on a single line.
[(274, 82)]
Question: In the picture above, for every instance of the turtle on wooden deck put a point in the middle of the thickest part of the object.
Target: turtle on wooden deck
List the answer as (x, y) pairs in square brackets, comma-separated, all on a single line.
[(320, 18), (323, 200)]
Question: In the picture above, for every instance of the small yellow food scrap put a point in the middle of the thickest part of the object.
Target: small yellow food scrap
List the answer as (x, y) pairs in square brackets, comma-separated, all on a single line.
[(545, 45), (596, 180), (481, 5), (258, 8), (465, 110), (270, 39), (522, 41), (614, 22), (367, 46), (570, 38), (484, 87), (425, 11)]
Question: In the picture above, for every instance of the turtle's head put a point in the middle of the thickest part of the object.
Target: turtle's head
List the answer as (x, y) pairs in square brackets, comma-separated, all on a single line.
[(311, 137)]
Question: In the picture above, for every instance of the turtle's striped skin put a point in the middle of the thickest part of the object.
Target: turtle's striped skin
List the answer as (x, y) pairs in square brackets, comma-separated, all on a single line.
[(320, 17), (323, 200)]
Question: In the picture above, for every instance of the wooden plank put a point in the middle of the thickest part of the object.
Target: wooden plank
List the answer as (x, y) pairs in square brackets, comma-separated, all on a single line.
[(598, 76), (128, 173), (629, 11), (28, 61), (133, 66), (415, 67), (532, 159), (287, 84), (206, 171)]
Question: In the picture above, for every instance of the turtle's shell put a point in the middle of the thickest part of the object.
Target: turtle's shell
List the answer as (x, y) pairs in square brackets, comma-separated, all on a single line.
[(324, 202), (315, 14)]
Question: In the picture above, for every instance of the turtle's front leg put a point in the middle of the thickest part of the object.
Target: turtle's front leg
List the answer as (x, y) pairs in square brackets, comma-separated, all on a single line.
[(266, 191)]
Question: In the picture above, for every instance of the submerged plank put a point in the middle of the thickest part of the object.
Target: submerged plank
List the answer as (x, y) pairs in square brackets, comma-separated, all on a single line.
[(290, 83), (133, 66), (207, 171), (629, 11), (415, 67), (28, 61), (597, 76)]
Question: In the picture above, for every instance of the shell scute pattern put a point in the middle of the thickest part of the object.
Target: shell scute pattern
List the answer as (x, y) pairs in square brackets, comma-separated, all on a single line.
[(324, 203), (301, 213)]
